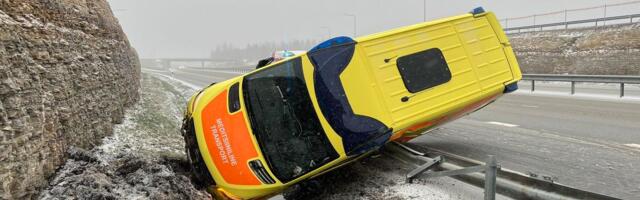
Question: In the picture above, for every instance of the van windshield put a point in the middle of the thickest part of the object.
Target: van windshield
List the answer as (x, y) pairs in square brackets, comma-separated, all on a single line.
[(284, 121)]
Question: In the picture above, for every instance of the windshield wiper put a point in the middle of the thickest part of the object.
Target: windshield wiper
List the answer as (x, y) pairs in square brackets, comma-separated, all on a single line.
[(290, 111)]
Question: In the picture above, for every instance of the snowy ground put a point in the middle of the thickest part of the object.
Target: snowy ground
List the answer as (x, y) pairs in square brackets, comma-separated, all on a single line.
[(381, 177), (144, 159)]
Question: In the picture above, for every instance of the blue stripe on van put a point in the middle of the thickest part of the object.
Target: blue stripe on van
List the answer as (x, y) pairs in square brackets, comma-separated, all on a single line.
[(359, 133), (511, 87)]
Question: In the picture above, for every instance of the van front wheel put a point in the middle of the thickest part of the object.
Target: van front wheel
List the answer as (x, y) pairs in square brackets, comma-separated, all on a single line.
[(198, 168)]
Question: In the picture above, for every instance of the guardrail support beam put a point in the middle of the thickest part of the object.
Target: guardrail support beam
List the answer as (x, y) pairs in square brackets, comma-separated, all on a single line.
[(573, 87), (490, 178), (436, 161), (509, 183), (533, 85), (621, 90)]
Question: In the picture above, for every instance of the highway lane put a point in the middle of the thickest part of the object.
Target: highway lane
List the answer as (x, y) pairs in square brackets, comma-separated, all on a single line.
[(198, 79), (583, 142), (595, 120)]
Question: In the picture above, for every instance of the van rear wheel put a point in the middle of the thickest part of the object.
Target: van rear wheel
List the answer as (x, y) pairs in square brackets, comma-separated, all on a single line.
[(198, 168)]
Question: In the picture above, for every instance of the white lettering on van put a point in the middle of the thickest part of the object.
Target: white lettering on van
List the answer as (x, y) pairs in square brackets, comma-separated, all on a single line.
[(216, 139), (223, 144)]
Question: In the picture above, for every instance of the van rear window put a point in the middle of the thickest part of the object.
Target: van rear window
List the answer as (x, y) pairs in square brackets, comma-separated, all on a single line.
[(423, 70)]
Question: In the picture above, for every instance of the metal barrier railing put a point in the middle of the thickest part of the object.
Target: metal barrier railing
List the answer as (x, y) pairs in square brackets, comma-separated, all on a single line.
[(622, 80), (566, 17), (242, 70), (567, 23), (501, 181)]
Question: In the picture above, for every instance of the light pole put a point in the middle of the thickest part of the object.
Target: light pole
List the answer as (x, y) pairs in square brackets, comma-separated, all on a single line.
[(424, 10), (355, 23), (604, 22)]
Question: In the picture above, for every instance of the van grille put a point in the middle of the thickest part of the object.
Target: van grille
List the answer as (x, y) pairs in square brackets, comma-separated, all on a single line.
[(261, 173)]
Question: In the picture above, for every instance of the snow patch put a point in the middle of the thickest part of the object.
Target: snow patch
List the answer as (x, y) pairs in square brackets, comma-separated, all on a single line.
[(143, 159)]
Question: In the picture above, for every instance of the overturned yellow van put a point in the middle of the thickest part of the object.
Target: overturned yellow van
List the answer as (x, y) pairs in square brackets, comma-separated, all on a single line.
[(254, 135)]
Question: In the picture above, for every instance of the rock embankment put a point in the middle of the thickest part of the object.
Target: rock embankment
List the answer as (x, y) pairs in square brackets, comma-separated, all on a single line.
[(610, 50), (67, 73), (143, 159)]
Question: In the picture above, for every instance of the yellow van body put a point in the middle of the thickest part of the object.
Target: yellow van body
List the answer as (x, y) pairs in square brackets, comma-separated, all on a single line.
[(482, 66), (477, 52)]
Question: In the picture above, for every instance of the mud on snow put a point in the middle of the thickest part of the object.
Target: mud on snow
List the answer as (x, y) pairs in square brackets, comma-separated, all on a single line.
[(143, 159)]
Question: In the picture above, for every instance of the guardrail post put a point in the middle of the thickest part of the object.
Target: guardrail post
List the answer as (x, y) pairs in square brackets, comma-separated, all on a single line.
[(573, 87), (605, 15), (621, 90), (533, 85), (566, 25), (490, 178)]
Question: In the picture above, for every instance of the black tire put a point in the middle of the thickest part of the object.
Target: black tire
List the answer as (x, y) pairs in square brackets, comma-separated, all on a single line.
[(198, 168)]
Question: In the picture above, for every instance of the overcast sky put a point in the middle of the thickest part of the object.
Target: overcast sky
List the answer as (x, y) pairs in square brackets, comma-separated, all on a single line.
[(192, 28)]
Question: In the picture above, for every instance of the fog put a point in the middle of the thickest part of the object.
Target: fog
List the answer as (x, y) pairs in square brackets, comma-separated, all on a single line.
[(193, 28)]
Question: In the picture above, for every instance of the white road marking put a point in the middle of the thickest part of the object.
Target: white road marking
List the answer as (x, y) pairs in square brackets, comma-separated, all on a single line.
[(529, 106), (633, 145), (503, 124), (192, 86)]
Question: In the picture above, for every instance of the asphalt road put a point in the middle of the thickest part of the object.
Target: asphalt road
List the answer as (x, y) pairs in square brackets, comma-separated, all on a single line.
[(585, 143), (590, 141)]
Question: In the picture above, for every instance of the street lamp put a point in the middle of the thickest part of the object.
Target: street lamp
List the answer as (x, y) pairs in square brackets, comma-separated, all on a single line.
[(424, 10), (355, 25)]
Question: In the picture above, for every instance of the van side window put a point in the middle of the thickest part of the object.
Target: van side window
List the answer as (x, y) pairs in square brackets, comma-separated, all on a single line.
[(234, 98), (423, 70)]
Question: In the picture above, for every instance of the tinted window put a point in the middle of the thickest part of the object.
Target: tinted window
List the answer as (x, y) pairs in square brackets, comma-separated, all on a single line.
[(234, 98), (423, 70), (284, 121)]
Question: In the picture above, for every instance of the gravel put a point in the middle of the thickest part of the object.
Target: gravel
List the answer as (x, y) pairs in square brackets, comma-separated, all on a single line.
[(143, 159)]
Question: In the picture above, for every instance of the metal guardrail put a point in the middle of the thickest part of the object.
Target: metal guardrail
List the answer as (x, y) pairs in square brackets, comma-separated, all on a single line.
[(566, 24), (622, 80), (507, 182), (242, 70)]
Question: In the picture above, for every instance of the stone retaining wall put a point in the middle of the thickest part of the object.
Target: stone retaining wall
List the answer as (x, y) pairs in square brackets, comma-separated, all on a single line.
[(610, 50), (67, 73)]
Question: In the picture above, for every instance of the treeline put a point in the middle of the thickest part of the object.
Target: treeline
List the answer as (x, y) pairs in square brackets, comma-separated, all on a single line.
[(259, 51)]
